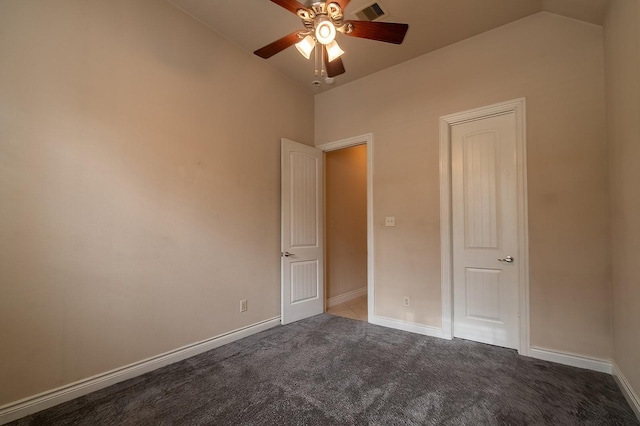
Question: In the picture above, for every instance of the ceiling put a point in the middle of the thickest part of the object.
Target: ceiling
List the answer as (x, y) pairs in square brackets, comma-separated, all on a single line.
[(433, 24)]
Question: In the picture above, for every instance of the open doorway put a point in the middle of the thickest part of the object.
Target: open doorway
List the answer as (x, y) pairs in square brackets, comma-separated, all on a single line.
[(346, 269)]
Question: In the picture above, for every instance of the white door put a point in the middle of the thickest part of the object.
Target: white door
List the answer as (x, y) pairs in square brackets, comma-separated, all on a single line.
[(302, 234), (485, 231)]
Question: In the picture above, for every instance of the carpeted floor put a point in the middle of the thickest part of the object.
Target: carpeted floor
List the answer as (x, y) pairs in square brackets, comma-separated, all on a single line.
[(329, 370)]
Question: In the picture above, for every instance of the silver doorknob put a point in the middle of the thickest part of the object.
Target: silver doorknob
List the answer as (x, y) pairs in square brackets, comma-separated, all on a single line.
[(507, 259), (287, 254)]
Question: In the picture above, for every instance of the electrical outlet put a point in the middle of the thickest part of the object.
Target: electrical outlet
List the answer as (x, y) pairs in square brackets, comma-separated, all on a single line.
[(390, 221), (406, 301), (243, 305)]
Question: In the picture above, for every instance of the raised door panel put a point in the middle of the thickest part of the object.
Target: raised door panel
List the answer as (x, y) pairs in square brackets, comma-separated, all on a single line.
[(483, 294), (304, 281), (304, 200), (481, 190)]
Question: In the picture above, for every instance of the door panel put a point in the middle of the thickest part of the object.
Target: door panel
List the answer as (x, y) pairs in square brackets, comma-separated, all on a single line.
[(480, 190), (484, 203), (483, 294), (302, 242), (304, 281), (303, 190)]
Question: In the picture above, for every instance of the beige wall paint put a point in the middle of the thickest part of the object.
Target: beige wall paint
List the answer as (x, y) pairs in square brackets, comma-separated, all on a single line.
[(139, 186), (346, 220), (622, 56), (557, 63)]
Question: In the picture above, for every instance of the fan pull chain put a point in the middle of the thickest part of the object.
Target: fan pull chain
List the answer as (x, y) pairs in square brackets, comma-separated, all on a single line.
[(318, 60)]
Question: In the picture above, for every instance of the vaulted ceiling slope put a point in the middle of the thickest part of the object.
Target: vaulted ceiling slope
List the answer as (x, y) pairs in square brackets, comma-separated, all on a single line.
[(433, 24)]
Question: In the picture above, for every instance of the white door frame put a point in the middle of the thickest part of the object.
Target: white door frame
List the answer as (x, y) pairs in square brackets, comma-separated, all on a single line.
[(518, 107), (366, 139)]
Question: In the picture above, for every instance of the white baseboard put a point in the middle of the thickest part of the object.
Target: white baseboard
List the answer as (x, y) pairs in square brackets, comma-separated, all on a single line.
[(627, 390), (343, 298), (603, 366), (39, 402), (406, 326)]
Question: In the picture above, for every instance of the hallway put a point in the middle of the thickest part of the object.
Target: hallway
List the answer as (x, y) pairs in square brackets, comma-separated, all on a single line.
[(355, 309)]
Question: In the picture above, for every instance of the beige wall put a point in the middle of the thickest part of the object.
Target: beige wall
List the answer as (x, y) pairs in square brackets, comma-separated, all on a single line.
[(139, 186), (557, 64), (622, 55), (346, 220)]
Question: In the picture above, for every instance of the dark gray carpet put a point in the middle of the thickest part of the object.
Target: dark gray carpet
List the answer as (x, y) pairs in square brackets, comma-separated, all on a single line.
[(328, 370)]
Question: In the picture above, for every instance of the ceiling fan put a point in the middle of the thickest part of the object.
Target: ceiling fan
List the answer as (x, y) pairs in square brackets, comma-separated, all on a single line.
[(322, 20)]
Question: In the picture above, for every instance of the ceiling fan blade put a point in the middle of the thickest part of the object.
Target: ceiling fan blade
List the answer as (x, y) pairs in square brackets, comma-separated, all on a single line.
[(335, 67), (291, 5), (278, 46), (379, 31)]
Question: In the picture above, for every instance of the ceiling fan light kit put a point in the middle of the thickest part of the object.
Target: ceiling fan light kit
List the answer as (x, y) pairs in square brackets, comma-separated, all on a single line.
[(322, 21)]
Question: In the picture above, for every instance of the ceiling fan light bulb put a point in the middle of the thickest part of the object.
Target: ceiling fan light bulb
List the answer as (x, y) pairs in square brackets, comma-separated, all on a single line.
[(325, 32), (305, 46), (334, 51)]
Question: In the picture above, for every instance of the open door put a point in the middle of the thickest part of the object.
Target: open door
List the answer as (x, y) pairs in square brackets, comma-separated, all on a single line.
[(302, 255)]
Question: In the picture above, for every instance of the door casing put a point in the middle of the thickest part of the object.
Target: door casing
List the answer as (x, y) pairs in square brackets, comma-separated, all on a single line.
[(518, 107)]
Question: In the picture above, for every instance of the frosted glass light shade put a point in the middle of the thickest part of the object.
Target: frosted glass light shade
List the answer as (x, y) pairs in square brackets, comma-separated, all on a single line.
[(334, 51), (305, 46)]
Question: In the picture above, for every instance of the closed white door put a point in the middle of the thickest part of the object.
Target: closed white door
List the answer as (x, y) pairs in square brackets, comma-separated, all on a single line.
[(302, 235), (485, 231)]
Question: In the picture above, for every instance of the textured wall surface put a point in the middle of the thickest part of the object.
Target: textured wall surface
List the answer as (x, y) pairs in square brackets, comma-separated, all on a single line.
[(139, 186), (557, 64), (622, 55)]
